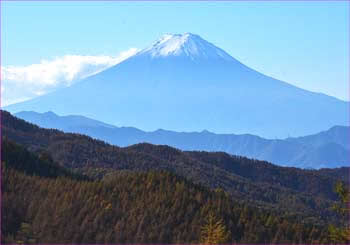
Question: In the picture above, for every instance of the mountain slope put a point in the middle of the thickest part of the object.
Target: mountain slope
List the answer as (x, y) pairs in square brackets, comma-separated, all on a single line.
[(134, 208), (304, 194), (51, 120), (16, 157), (326, 149), (337, 134), (185, 83)]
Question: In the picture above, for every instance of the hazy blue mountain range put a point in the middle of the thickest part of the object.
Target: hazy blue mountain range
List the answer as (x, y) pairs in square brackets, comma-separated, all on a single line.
[(184, 83), (297, 193), (329, 148)]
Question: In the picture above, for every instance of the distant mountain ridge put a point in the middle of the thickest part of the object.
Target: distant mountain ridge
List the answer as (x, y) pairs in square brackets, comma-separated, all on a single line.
[(184, 83), (326, 149), (305, 194)]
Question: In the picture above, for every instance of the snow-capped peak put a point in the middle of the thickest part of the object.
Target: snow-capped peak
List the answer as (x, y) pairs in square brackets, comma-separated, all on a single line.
[(186, 44)]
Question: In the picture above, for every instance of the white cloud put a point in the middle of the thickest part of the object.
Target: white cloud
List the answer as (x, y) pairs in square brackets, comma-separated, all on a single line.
[(19, 83)]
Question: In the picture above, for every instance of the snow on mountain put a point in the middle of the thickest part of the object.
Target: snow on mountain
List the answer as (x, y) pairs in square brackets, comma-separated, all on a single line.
[(188, 44), (184, 83)]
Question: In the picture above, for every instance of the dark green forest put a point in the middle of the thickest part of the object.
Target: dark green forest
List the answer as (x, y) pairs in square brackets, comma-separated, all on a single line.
[(69, 188), (127, 207)]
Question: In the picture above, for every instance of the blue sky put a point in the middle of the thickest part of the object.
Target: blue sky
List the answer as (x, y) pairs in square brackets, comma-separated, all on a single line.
[(303, 43)]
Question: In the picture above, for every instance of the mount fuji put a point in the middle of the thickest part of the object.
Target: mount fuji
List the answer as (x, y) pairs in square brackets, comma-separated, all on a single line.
[(184, 83)]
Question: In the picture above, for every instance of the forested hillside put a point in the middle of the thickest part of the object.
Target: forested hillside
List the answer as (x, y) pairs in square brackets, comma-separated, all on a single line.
[(272, 188), (41, 164), (129, 207), (306, 194), (302, 198)]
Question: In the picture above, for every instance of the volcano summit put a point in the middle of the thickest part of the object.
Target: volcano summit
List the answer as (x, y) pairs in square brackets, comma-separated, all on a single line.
[(184, 83)]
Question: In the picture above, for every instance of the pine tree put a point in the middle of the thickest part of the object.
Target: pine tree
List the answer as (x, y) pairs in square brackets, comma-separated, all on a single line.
[(214, 231), (336, 234)]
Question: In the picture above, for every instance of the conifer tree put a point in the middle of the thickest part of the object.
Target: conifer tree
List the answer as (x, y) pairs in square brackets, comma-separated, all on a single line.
[(337, 234), (214, 231)]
